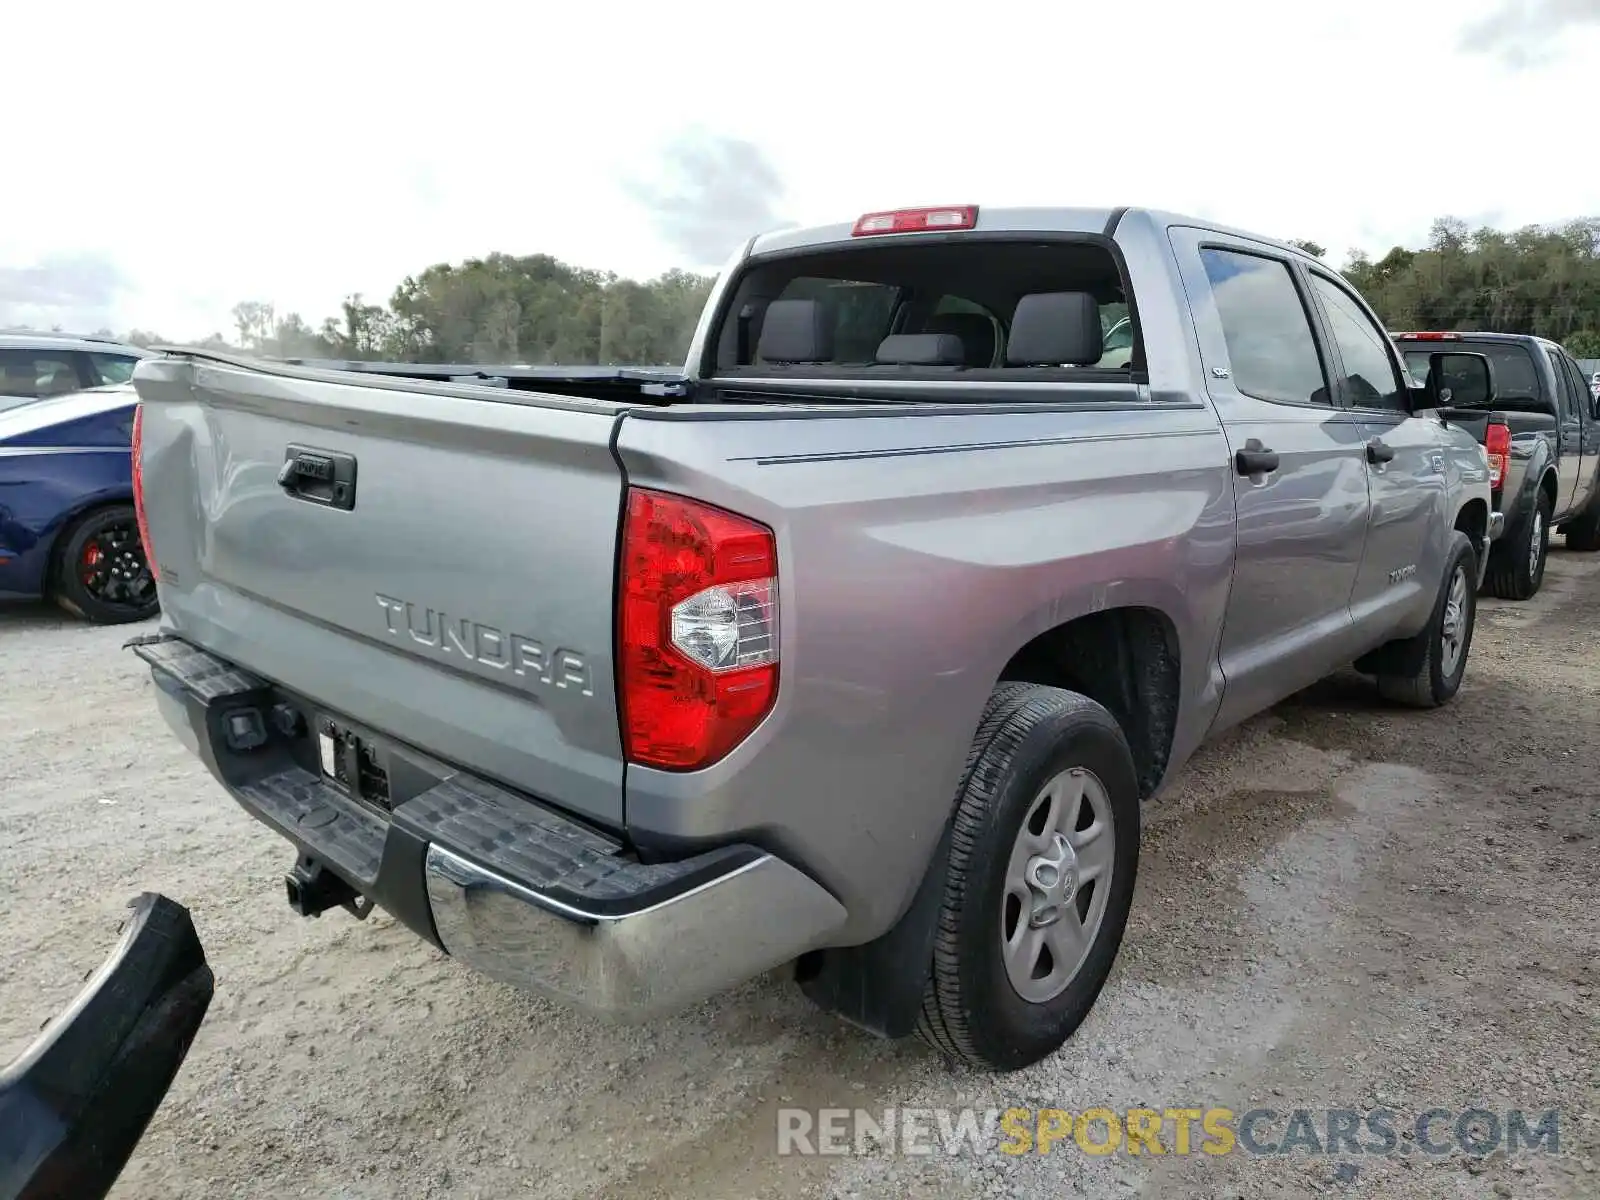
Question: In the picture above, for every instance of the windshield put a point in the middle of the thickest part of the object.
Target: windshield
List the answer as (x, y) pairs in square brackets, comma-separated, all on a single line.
[(1515, 375)]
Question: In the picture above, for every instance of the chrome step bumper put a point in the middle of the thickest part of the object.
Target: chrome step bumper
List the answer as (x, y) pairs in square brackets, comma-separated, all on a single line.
[(507, 884), (678, 949)]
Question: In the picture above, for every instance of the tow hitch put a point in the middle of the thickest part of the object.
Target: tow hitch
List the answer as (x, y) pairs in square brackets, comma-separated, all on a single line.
[(313, 890)]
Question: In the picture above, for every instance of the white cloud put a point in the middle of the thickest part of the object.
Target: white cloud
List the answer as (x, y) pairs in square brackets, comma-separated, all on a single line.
[(202, 154)]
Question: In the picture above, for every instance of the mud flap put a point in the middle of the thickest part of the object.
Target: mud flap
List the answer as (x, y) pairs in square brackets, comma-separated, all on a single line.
[(878, 986)]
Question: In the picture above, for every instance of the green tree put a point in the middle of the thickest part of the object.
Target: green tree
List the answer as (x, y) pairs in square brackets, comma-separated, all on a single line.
[(538, 310)]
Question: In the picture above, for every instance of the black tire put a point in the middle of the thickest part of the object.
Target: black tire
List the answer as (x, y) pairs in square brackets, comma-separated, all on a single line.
[(116, 587), (1583, 533), (1437, 680), (1029, 734), (1514, 573)]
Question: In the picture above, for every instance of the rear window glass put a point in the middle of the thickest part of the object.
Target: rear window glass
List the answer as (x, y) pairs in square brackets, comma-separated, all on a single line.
[(1515, 375), (862, 312), (967, 291)]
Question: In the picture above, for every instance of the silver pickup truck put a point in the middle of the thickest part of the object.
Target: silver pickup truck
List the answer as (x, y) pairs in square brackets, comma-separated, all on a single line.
[(856, 646)]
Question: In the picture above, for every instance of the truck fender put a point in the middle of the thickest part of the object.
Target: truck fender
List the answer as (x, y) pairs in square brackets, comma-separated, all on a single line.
[(1518, 507), (878, 985)]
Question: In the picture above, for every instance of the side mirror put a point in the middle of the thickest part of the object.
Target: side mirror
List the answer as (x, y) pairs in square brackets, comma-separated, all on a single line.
[(77, 1101), (1457, 380)]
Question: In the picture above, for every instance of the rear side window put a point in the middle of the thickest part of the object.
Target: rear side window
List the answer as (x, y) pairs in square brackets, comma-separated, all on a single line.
[(38, 373), (1271, 349), (1370, 379)]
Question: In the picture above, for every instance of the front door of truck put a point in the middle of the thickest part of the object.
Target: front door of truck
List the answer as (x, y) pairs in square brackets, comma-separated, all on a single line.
[(1406, 468), (1300, 486)]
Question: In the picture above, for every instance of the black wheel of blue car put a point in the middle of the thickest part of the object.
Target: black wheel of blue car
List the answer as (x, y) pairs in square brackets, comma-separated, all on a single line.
[(102, 574)]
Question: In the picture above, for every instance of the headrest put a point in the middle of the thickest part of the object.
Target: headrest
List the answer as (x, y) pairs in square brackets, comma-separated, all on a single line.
[(976, 333), (921, 350), (796, 331), (1050, 328)]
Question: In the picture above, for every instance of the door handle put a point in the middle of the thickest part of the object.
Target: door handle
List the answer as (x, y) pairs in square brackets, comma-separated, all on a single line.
[(323, 477), (1379, 451), (1255, 459)]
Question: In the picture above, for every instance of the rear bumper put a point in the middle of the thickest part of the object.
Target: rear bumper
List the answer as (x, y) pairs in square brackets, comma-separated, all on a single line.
[(515, 889)]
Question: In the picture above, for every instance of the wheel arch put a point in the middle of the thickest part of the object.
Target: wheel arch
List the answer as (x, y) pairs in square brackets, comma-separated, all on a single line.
[(1549, 487), (1472, 519), (1129, 660)]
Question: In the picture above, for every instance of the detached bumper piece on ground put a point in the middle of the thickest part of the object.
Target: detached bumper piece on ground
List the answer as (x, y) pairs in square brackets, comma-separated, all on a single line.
[(75, 1104)]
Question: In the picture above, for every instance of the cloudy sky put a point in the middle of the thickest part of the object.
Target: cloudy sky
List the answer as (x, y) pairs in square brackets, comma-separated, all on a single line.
[(166, 159)]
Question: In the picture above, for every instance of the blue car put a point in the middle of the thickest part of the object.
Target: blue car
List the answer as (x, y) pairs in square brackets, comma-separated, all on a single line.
[(67, 525)]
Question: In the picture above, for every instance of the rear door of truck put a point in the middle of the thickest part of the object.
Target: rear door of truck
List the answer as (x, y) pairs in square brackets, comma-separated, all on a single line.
[(436, 560)]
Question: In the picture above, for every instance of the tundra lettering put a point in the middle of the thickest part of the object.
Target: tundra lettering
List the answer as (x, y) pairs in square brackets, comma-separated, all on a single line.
[(487, 646)]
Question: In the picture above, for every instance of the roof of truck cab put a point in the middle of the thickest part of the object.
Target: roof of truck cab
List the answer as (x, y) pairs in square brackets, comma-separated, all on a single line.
[(1011, 220), (1476, 335)]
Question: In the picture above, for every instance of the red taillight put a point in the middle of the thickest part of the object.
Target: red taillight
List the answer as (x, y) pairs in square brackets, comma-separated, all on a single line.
[(1429, 337), (917, 220), (138, 490), (1497, 441), (698, 630)]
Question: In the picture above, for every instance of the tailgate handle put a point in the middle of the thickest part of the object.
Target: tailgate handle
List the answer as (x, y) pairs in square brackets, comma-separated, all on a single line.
[(323, 477)]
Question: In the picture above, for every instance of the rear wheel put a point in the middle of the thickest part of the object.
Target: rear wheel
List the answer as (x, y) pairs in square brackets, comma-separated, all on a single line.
[(1583, 533), (1043, 855), (101, 573), (1516, 569)]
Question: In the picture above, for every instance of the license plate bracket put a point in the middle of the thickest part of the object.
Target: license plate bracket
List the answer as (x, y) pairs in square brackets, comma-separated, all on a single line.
[(353, 764)]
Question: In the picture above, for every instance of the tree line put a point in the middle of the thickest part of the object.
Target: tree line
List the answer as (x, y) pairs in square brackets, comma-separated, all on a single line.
[(503, 308), (536, 309), (1542, 280)]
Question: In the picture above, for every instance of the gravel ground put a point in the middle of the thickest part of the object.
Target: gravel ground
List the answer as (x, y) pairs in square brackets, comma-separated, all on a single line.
[(1341, 905)]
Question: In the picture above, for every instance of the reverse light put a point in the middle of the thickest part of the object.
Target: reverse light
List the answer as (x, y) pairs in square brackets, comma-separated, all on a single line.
[(135, 446), (917, 220), (1497, 441), (697, 630)]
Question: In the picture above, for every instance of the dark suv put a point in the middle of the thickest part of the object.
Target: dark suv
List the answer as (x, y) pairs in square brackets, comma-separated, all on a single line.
[(51, 364)]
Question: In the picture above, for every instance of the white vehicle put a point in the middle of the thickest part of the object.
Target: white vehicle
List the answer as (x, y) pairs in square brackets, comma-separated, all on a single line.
[(33, 365)]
